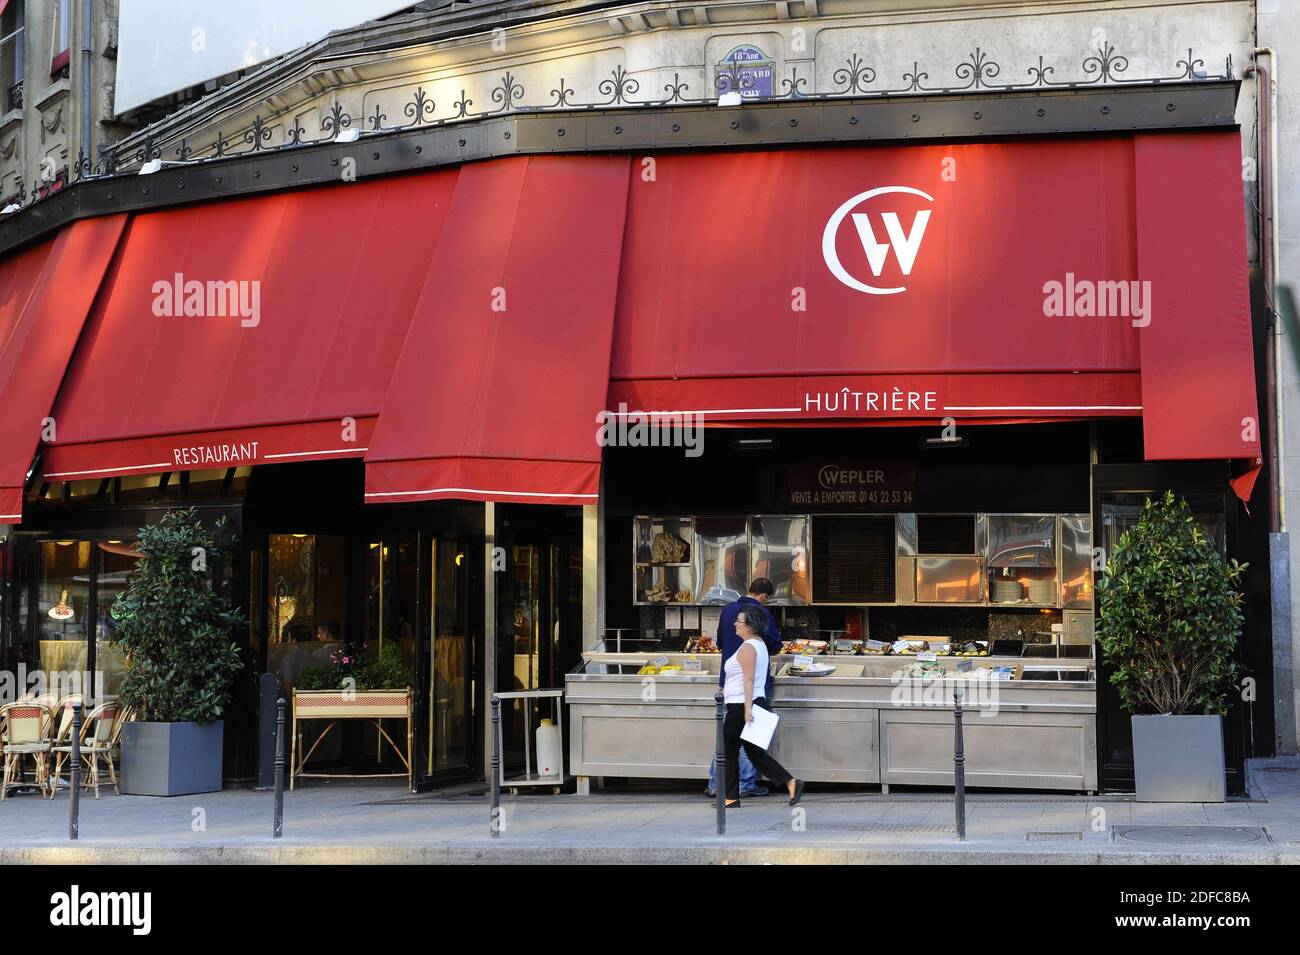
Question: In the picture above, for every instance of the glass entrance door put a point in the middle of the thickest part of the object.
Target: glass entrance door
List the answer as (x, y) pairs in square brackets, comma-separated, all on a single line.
[(450, 648), (539, 618)]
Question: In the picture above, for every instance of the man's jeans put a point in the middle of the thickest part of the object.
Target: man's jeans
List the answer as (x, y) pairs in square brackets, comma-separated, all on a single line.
[(747, 775)]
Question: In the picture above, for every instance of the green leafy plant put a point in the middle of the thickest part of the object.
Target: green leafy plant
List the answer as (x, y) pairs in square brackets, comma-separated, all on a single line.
[(386, 673), (1170, 615), (173, 628)]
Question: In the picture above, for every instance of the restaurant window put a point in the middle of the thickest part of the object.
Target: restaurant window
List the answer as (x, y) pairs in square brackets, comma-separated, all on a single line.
[(307, 603), (239, 482), (62, 609), (91, 489), (116, 560), (206, 484), (1121, 511), (138, 488), (449, 680)]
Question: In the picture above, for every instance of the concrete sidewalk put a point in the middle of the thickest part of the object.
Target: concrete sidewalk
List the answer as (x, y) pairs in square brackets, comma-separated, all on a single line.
[(374, 823)]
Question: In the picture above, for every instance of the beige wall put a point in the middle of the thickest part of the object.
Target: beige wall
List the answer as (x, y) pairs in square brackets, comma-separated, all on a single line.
[(48, 126), (643, 49)]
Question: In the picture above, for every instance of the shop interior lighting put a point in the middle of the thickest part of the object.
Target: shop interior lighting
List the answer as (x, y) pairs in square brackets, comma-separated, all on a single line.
[(941, 443)]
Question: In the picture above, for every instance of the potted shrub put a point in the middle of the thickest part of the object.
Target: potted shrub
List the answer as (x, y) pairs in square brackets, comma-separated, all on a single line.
[(174, 631), (1170, 619)]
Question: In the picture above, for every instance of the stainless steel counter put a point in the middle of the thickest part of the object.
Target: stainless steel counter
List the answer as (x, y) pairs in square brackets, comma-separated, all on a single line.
[(864, 728)]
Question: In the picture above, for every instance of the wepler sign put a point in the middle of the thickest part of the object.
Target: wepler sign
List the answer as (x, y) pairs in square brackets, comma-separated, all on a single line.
[(852, 484)]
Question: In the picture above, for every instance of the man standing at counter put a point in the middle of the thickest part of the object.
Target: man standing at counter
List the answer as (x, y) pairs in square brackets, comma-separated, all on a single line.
[(728, 641)]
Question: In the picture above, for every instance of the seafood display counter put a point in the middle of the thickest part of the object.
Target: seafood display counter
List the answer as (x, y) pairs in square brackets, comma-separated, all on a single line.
[(888, 720)]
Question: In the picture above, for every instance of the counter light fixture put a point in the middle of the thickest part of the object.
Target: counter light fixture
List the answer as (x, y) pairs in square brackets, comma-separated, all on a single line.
[(941, 443), (754, 444)]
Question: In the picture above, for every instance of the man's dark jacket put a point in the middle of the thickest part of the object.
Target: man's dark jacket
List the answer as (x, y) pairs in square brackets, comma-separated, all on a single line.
[(729, 641)]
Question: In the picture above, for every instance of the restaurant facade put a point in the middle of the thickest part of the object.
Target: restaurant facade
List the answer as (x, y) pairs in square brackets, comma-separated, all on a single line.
[(531, 394)]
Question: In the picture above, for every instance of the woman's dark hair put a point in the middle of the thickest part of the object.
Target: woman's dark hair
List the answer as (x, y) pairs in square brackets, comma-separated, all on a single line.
[(755, 619)]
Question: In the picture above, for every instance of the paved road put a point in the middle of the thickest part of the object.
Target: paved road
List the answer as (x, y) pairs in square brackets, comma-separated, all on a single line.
[(366, 822)]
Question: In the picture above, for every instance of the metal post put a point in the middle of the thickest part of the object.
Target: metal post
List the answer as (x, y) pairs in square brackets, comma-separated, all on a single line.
[(277, 824), (74, 801), (494, 825), (720, 763), (959, 768)]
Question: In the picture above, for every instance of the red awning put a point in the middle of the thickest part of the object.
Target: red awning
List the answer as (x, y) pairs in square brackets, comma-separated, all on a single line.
[(905, 284), (45, 293), (465, 329), (506, 364), (1198, 367), (303, 300)]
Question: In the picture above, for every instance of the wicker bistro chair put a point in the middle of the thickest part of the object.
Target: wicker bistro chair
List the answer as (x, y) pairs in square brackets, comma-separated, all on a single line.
[(60, 730), (24, 728), (100, 732)]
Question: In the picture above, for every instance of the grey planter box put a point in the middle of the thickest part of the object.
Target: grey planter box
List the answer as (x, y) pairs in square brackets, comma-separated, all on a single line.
[(171, 759), (1178, 758)]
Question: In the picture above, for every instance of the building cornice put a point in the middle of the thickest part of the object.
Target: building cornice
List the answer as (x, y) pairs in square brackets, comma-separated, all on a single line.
[(643, 129)]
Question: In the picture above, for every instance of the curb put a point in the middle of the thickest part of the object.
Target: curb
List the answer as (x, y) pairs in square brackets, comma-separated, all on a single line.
[(611, 855)]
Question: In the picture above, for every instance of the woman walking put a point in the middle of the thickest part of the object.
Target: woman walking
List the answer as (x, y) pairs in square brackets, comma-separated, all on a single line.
[(746, 673)]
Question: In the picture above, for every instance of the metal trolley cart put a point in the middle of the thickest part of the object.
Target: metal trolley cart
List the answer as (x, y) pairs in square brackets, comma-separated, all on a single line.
[(532, 766)]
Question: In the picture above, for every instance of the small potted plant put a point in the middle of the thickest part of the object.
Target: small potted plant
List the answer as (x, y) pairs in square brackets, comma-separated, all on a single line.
[(174, 630), (1169, 623)]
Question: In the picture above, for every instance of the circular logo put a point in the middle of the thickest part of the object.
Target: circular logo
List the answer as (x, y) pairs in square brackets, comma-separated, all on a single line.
[(904, 245)]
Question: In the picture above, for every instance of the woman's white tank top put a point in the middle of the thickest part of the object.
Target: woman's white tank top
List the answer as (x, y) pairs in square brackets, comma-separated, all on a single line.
[(733, 688)]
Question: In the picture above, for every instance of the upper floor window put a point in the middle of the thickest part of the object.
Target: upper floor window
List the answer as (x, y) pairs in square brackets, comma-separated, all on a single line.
[(11, 54), (61, 36)]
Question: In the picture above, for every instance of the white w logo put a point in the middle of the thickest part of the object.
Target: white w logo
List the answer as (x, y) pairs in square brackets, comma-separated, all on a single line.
[(904, 244)]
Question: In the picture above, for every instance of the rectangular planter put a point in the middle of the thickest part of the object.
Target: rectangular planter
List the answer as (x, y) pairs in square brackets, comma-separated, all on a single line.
[(354, 704), (1178, 758), (171, 759)]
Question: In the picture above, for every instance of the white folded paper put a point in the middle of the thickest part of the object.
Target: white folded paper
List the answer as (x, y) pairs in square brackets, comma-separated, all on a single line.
[(761, 731)]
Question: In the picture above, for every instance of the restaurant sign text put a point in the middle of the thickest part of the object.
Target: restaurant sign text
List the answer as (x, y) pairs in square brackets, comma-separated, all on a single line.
[(851, 484)]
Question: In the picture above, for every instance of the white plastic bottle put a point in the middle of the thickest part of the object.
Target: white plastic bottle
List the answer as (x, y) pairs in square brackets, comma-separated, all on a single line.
[(550, 749)]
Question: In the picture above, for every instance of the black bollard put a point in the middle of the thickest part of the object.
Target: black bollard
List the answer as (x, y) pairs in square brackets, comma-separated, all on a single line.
[(277, 822), (495, 786), (720, 763), (959, 768), (74, 799)]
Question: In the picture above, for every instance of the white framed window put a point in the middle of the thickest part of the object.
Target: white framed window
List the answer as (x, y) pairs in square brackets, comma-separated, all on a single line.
[(60, 36), (12, 41)]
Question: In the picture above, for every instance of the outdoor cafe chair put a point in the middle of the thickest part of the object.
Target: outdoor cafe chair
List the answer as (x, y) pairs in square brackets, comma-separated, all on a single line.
[(24, 727), (99, 735)]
